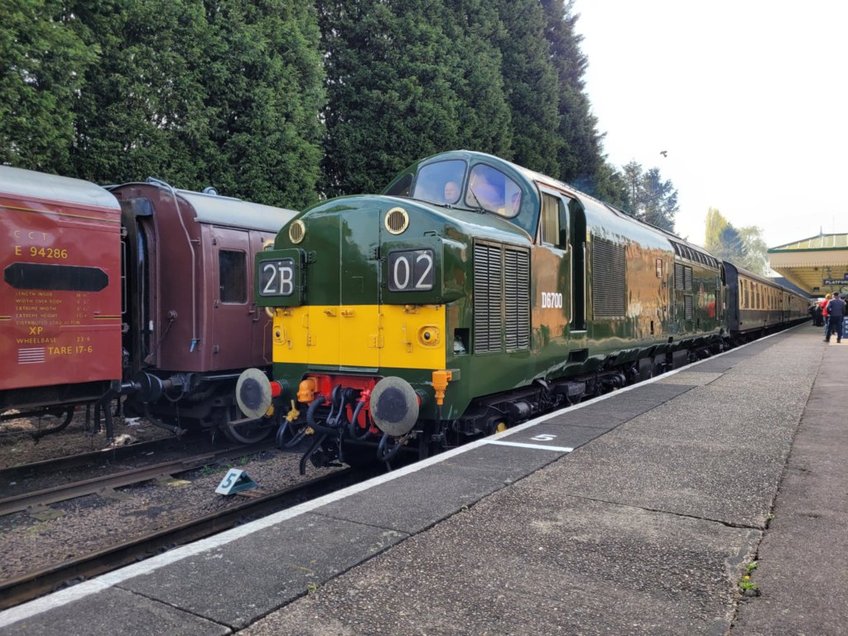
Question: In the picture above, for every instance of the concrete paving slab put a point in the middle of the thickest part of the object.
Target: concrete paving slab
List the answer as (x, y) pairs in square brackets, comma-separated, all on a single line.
[(695, 377), (724, 467), (268, 568), (440, 490), (525, 561), (505, 464), (620, 407), (803, 559), (129, 614), (558, 433)]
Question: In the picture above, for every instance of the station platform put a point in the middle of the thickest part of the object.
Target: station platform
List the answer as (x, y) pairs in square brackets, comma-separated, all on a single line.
[(634, 513)]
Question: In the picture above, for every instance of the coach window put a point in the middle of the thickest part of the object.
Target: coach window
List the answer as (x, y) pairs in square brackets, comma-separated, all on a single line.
[(232, 276)]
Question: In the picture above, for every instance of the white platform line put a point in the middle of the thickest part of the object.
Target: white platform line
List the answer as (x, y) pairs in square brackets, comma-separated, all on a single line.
[(560, 449)]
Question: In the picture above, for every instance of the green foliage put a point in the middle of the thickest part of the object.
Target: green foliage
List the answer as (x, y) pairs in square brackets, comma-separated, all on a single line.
[(389, 98), (225, 93), (263, 81), (255, 99), (142, 112), (42, 64), (649, 198), (486, 123), (743, 247), (530, 84), (579, 158), (756, 250)]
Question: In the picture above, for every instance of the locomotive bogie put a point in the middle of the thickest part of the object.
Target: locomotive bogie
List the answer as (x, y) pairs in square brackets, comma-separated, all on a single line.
[(61, 292)]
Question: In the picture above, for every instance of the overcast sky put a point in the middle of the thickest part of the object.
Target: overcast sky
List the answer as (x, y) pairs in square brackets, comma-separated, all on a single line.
[(748, 97)]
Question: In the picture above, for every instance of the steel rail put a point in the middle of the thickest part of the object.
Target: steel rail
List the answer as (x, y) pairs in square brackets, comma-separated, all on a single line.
[(36, 584), (55, 494)]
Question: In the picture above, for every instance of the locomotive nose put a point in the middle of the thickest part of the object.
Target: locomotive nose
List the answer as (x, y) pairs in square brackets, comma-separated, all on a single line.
[(394, 406)]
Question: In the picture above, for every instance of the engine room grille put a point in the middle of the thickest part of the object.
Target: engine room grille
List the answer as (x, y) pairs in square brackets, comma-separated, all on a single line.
[(688, 311), (608, 279), (501, 298)]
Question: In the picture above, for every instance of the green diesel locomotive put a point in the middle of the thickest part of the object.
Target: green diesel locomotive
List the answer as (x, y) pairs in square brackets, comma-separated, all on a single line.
[(471, 295)]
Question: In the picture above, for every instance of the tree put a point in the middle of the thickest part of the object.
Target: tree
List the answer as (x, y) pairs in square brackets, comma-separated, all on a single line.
[(743, 247), (484, 114), (391, 99), (142, 111), (756, 250), (530, 84), (263, 83), (580, 160), (43, 61), (224, 93), (649, 198)]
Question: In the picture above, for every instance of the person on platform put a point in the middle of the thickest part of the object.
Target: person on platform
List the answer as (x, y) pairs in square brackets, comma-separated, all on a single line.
[(835, 314), (823, 305)]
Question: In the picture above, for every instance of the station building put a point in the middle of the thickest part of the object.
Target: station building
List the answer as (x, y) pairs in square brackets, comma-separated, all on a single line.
[(817, 265)]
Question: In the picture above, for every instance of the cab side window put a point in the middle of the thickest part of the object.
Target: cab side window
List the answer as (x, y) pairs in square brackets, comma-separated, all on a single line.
[(554, 222)]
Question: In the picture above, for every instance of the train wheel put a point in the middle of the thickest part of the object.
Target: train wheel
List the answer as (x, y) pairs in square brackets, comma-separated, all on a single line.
[(251, 432)]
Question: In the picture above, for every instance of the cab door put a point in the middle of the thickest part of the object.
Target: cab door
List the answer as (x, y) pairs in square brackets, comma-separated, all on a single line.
[(551, 300)]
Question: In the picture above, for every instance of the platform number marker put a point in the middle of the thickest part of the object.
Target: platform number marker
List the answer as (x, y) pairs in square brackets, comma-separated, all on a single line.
[(544, 437), (235, 481)]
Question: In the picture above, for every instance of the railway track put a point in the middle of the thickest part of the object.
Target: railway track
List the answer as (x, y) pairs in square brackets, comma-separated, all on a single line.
[(255, 504), (100, 458), (95, 485)]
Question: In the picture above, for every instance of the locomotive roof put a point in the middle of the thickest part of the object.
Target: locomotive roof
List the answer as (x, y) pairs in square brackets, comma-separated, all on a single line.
[(20, 182)]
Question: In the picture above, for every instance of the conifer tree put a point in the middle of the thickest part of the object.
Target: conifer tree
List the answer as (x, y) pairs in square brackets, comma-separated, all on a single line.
[(530, 84), (43, 60), (649, 197), (391, 89), (264, 86), (142, 112), (580, 157), (473, 27)]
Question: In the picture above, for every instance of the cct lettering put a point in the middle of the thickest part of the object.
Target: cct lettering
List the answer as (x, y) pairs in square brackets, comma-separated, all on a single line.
[(551, 300)]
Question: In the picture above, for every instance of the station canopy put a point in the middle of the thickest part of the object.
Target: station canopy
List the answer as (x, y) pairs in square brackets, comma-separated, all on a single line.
[(817, 265)]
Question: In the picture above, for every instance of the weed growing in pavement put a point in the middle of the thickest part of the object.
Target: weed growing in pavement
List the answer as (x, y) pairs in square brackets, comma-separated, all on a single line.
[(746, 585)]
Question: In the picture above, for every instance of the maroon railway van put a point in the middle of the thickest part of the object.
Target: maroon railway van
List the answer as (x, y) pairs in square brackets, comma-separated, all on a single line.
[(60, 297)]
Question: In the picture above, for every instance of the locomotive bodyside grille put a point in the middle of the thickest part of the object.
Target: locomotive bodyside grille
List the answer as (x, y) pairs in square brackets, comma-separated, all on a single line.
[(501, 298), (608, 279), (517, 298)]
